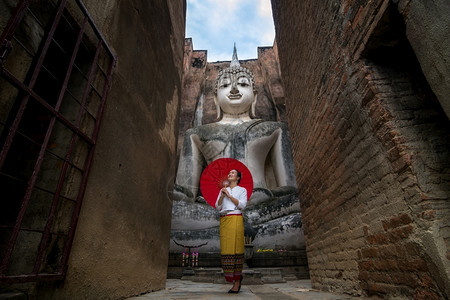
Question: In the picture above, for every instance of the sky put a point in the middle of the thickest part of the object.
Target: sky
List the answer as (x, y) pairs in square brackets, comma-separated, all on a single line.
[(215, 25)]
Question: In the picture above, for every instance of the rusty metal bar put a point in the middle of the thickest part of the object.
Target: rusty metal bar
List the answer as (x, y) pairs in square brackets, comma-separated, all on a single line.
[(23, 47), (89, 160), (44, 103), (62, 175), (38, 145), (105, 94), (9, 139), (31, 277), (88, 84), (24, 103), (40, 188), (97, 32), (15, 20), (56, 115), (72, 61), (10, 29)]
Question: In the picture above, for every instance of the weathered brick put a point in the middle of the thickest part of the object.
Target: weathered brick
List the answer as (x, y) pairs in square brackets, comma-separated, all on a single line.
[(378, 239), (428, 214), (397, 221), (376, 289), (387, 251), (426, 294), (366, 265), (404, 278), (412, 265), (425, 280), (369, 139), (386, 265), (381, 277), (399, 233), (369, 252)]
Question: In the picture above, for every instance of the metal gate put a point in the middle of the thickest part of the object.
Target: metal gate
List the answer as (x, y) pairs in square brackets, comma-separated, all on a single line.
[(55, 72)]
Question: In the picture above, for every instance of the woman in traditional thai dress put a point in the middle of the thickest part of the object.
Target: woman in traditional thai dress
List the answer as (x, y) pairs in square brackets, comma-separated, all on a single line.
[(231, 200)]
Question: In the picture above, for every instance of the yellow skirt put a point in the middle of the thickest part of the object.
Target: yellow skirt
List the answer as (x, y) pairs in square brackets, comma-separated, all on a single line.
[(232, 246)]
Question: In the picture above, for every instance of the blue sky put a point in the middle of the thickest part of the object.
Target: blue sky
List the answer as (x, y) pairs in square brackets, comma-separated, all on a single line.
[(214, 25)]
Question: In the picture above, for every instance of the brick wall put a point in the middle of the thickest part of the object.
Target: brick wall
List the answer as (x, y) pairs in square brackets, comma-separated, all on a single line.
[(372, 149)]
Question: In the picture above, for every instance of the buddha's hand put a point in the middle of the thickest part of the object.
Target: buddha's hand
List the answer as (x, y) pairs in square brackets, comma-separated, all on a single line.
[(182, 193)]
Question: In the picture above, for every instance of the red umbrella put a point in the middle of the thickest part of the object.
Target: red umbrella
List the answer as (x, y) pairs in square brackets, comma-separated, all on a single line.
[(215, 175)]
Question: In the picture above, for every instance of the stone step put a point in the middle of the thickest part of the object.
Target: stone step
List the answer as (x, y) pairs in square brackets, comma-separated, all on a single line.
[(215, 275), (271, 275), (208, 274), (251, 276)]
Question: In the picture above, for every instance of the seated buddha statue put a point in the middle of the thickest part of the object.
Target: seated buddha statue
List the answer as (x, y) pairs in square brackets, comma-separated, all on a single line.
[(263, 146)]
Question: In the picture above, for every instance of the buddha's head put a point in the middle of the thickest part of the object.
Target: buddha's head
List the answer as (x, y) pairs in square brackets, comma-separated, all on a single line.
[(235, 92)]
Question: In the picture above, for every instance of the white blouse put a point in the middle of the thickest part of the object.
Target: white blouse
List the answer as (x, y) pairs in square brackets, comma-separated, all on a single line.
[(228, 207)]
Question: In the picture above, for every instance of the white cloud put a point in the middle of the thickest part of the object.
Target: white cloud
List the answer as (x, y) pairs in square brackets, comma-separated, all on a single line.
[(264, 8), (230, 6), (215, 25)]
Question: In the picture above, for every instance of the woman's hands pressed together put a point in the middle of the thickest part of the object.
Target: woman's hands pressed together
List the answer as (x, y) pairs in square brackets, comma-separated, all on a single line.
[(225, 192)]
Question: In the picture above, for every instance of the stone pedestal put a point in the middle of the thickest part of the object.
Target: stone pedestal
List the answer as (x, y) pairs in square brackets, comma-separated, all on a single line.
[(271, 275), (188, 273), (252, 277), (293, 264), (248, 254), (206, 275)]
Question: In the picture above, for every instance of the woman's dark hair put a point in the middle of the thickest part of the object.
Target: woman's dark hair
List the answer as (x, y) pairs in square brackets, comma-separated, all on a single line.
[(239, 175)]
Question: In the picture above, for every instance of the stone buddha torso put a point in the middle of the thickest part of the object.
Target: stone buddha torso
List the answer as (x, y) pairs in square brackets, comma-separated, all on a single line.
[(260, 145)]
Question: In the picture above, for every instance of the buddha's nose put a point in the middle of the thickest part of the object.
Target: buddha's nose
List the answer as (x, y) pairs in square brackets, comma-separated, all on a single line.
[(234, 89)]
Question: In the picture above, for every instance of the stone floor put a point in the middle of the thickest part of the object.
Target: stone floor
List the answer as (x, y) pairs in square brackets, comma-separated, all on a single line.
[(186, 289)]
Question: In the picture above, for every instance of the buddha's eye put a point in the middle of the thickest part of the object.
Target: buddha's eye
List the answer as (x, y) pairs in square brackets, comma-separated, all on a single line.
[(243, 81), (225, 82)]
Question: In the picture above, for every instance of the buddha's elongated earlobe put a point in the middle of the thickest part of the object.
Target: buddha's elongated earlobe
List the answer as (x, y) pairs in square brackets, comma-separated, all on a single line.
[(253, 114), (217, 106)]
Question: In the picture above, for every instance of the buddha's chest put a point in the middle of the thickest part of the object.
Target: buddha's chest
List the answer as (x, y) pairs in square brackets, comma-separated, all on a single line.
[(236, 145)]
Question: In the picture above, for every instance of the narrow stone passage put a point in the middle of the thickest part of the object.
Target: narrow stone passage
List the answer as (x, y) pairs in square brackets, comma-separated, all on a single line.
[(184, 289)]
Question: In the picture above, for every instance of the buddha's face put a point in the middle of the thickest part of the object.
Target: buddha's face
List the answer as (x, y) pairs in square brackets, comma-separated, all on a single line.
[(235, 93)]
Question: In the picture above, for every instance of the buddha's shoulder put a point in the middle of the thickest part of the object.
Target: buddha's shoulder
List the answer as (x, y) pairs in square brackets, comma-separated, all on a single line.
[(255, 124), (211, 129), (270, 124), (266, 127)]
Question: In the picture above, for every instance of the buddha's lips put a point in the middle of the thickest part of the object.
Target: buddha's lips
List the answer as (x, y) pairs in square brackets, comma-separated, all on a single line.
[(234, 96)]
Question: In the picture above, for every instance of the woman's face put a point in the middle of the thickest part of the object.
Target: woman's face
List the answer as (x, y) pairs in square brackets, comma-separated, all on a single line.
[(233, 176)]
